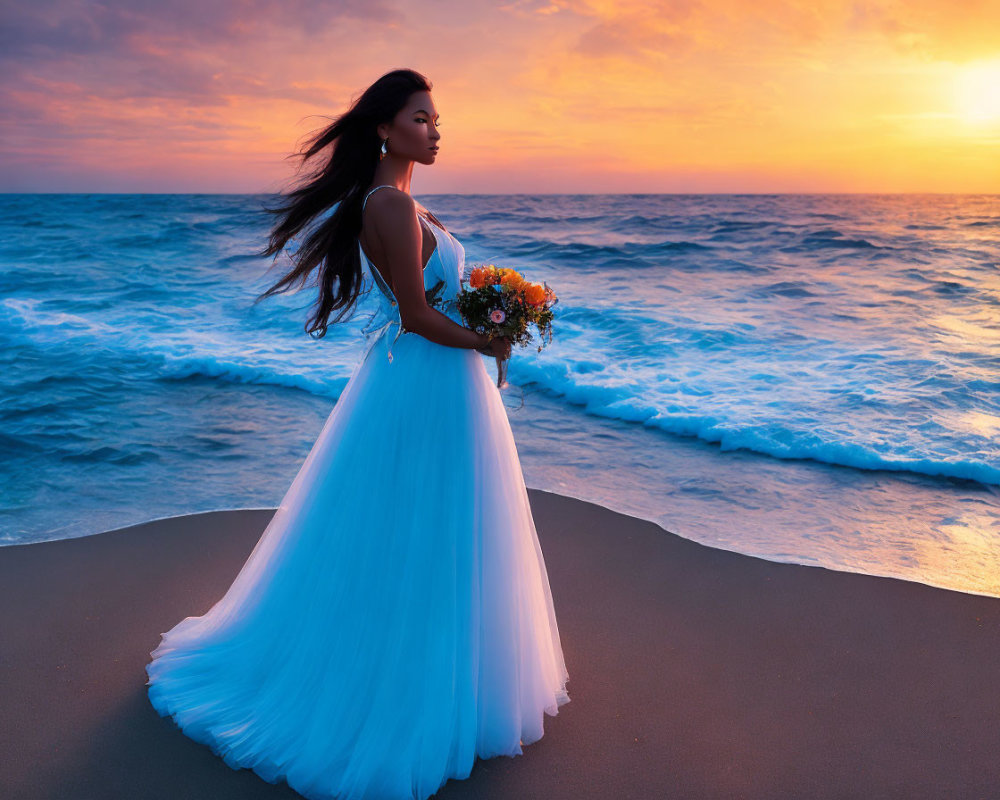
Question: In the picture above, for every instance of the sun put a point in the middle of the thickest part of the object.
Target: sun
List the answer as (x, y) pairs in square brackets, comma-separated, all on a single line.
[(977, 92)]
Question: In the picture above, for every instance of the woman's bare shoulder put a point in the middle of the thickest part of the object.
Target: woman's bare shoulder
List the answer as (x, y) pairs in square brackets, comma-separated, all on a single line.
[(390, 207), (389, 197)]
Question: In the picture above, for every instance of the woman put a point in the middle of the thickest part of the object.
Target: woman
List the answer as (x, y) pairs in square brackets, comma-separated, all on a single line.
[(395, 620)]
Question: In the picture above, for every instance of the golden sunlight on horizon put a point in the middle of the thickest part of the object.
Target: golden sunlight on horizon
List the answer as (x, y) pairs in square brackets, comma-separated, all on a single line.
[(549, 96), (978, 92)]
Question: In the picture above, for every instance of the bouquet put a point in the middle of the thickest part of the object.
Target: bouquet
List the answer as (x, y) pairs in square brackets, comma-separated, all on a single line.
[(500, 302)]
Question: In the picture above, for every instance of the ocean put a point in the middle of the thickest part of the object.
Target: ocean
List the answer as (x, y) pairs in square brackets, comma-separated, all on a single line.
[(804, 378)]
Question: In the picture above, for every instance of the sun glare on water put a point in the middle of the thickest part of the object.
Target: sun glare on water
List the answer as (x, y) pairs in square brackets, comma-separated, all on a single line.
[(977, 92)]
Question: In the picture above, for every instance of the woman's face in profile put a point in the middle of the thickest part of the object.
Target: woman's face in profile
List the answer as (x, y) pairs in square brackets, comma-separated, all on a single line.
[(414, 132)]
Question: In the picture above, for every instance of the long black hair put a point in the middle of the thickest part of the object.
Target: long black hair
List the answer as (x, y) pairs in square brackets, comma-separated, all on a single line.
[(332, 244)]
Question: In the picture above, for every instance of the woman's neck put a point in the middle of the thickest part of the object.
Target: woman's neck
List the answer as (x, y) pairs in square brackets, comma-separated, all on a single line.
[(394, 172)]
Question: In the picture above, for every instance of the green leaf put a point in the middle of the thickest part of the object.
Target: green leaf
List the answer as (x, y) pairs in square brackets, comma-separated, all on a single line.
[(432, 293)]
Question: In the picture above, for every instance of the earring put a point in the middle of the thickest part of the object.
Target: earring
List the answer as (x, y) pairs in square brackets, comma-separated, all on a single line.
[(384, 152)]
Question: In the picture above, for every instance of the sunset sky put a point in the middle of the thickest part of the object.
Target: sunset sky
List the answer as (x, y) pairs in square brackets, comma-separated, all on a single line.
[(563, 96)]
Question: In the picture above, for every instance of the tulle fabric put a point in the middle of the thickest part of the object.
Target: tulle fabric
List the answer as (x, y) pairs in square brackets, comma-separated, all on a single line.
[(395, 619)]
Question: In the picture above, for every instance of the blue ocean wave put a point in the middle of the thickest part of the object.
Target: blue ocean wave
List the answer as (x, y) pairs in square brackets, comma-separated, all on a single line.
[(772, 439), (856, 331)]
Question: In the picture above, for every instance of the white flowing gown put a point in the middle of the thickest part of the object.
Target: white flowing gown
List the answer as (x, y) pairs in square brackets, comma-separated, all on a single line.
[(395, 620)]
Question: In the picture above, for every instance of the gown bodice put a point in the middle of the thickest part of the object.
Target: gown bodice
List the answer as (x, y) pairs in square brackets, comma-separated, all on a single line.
[(446, 266)]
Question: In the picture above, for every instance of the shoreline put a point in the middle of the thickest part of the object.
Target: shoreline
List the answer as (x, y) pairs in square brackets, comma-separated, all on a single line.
[(695, 672), (630, 513)]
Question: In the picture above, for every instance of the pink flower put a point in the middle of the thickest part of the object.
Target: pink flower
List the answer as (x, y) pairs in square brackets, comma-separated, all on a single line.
[(497, 315)]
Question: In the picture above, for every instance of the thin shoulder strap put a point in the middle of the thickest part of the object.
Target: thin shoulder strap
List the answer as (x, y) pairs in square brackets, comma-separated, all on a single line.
[(380, 186)]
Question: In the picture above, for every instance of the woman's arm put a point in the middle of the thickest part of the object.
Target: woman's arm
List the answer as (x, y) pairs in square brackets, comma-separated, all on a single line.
[(394, 217)]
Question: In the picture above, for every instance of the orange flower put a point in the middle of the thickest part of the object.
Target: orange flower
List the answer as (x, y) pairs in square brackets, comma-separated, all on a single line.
[(512, 280), (534, 293), (477, 279)]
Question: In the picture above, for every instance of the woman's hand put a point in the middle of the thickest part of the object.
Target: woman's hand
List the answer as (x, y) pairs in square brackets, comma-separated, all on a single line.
[(498, 347)]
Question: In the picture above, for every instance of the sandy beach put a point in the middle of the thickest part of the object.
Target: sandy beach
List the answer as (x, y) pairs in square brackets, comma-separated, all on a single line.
[(694, 672)]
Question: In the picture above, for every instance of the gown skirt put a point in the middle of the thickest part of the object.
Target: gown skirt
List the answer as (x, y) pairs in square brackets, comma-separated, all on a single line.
[(394, 621)]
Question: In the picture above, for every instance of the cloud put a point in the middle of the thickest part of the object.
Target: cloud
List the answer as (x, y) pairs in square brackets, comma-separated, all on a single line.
[(62, 27), (554, 86)]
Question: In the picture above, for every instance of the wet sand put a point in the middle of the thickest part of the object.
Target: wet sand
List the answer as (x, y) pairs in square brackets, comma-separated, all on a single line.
[(694, 672)]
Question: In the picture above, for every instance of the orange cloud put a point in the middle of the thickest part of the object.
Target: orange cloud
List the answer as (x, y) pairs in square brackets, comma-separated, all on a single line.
[(535, 95)]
